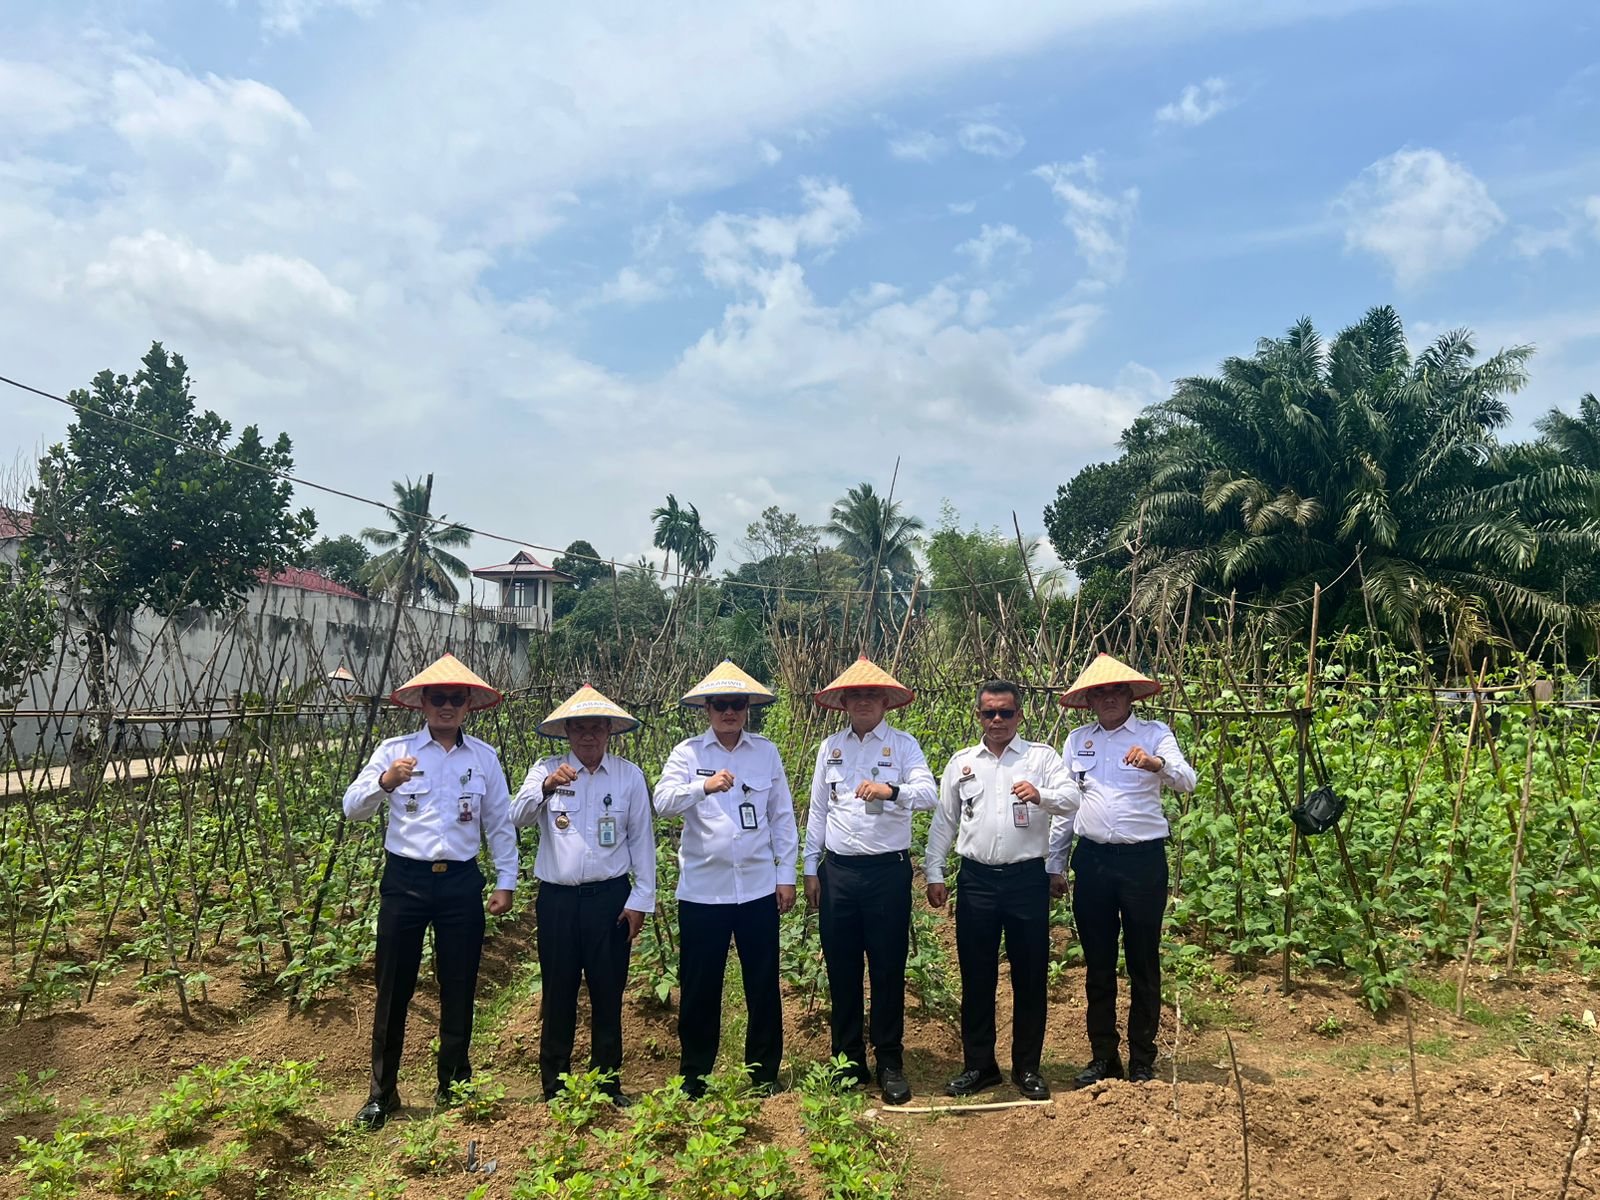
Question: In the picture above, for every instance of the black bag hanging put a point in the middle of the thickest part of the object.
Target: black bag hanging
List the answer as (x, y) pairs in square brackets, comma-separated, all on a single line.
[(1321, 809)]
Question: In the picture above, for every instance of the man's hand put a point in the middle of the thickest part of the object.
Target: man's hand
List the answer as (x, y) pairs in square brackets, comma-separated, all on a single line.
[(720, 782), (561, 775), (397, 773), (813, 892), (785, 897), (499, 902), (1058, 886), (1025, 791), (867, 790), (1145, 762), (634, 920), (938, 893)]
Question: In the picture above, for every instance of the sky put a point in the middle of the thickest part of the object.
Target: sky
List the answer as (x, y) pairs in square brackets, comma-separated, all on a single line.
[(571, 258)]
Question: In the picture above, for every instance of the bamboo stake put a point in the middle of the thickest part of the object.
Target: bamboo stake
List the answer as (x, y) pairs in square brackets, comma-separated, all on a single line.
[(1244, 1123), (1411, 1053), (1578, 1133), (1466, 959)]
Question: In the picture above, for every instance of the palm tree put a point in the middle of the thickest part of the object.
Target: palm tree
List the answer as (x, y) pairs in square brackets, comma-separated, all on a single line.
[(393, 573), (680, 532), (879, 539), (1363, 469)]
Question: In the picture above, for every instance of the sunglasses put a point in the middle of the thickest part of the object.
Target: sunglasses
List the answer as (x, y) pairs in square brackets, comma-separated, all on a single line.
[(730, 704), (446, 699), (996, 714)]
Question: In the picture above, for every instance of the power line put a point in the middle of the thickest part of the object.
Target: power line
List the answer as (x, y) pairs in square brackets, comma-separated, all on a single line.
[(298, 481)]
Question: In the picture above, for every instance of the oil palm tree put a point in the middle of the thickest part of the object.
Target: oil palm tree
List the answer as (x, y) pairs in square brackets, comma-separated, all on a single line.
[(1360, 467), (392, 573)]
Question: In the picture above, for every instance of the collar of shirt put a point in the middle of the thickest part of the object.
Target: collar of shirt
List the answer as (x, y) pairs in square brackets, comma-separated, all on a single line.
[(604, 766), (1017, 746), (422, 739), (709, 738), (879, 732)]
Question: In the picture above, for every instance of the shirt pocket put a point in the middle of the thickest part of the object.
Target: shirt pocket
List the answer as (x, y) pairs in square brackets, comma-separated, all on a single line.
[(469, 799), (834, 779), (757, 793), (411, 797), (563, 812)]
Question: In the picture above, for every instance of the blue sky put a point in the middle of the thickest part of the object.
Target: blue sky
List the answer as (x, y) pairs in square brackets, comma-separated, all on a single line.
[(570, 261)]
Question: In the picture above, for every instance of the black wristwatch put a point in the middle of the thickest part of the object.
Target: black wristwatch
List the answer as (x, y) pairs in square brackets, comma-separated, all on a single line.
[(894, 793)]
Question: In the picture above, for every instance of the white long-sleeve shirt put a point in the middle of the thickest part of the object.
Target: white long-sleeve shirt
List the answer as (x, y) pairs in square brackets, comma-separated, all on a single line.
[(838, 821), (737, 845), (977, 811), (570, 850), (1121, 804), (425, 812)]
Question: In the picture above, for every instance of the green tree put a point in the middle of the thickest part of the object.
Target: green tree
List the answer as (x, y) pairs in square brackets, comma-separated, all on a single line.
[(149, 504), (390, 574), (582, 561), (679, 531), (980, 573), (29, 621), (1366, 469), (341, 559), (881, 541)]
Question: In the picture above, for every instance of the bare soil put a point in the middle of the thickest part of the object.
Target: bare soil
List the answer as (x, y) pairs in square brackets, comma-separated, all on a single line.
[(1329, 1105)]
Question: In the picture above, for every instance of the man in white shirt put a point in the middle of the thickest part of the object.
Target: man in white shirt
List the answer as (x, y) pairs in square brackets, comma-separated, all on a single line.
[(444, 794), (1119, 859), (993, 802), (867, 781), (593, 813), (736, 874)]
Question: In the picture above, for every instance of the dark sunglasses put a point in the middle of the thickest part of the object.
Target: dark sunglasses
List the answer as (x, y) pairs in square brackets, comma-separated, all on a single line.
[(730, 704), (996, 714), (446, 699)]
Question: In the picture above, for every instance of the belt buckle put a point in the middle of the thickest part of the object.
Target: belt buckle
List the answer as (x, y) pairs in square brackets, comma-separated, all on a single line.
[(440, 868)]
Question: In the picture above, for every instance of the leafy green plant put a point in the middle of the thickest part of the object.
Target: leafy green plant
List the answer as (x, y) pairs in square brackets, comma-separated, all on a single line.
[(478, 1098)]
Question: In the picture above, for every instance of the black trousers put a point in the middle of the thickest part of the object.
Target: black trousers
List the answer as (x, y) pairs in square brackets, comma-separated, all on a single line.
[(1121, 888), (1014, 901), (703, 934), (580, 939), (412, 896), (866, 912)]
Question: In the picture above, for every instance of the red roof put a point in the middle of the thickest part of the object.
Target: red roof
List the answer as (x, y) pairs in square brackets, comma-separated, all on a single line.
[(14, 523), (522, 565), (308, 580)]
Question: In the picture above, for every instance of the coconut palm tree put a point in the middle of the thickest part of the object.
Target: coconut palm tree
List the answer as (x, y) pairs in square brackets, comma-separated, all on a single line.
[(879, 539), (392, 573), (1361, 468)]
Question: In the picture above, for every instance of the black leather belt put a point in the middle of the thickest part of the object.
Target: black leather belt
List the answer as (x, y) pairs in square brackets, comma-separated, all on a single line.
[(585, 889), (868, 860), (1144, 847)]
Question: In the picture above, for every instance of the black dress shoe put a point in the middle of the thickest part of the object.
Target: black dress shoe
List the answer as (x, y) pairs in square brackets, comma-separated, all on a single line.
[(1032, 1085), (619, 1097), (1141, 1073), (896, 1088), (1100, 1068), (769, 1087), (375, 1113), (973, 1080)]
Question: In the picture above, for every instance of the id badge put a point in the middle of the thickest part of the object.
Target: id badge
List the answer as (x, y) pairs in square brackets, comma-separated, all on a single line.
[(747, 815), (1019, 814), (874, 807), (465, 814), (607, 831)]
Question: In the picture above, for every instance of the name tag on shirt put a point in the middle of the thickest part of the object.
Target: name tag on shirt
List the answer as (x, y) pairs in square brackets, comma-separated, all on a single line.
[(706, 771), (747, 815), (1019, 814), (561, 791)]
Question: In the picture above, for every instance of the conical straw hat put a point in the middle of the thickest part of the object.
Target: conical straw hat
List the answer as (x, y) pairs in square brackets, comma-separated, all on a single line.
[(864, 673), (449, 671), (727, 680), (1103, 670), (586, 702)]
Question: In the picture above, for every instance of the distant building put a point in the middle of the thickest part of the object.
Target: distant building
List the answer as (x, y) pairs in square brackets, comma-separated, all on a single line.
[(527, 589)]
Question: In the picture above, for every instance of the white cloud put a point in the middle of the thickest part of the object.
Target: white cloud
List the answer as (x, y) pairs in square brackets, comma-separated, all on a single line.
[(1198, 104), (291, 16), (1534, 243), (1100, 221), (961, 208), (768, 153), (630, 287), (733, 247), (1419, 212), (989, 140), (37, 100), (994, 240), (918, 146)]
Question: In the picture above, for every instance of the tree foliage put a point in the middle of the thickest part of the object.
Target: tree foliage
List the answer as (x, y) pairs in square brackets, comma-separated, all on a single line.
[(149, 504), (1366, 469), (342, 559)]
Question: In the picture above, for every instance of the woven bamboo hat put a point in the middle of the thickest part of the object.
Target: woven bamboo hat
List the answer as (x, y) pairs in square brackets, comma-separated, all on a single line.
[(864, 673), (727, 680), (449, 671), (1106, 670), (586, 702)]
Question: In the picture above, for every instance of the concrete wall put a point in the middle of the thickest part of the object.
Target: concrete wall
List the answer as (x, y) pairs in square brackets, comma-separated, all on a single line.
[(283, 641)]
